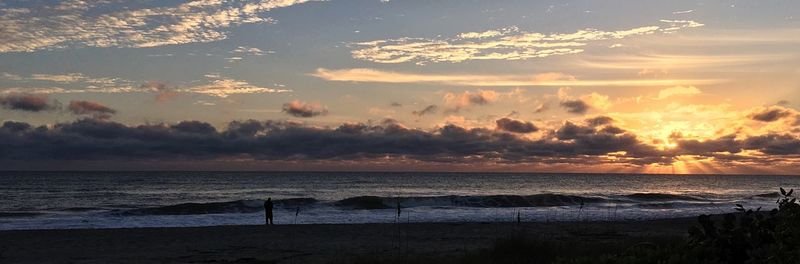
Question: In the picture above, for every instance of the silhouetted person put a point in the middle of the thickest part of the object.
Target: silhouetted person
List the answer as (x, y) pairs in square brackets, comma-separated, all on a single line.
[(398, 209), (268, 211)]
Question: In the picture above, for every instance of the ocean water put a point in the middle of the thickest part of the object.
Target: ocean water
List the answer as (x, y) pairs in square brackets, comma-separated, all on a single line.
[(59, 200)]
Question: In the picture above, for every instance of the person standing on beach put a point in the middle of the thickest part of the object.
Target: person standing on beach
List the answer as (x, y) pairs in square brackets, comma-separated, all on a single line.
[(268, 211)]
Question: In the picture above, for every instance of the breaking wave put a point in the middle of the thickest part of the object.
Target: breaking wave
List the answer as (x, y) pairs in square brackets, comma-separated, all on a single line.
[(504, 201), (241, 206), (645, 200)]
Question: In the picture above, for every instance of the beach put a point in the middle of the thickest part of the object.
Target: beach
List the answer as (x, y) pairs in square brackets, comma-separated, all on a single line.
[(319, 243), (328, 217)]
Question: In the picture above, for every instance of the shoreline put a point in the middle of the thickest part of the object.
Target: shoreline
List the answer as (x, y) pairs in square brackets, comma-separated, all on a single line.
[(555, 222), (312, 243)]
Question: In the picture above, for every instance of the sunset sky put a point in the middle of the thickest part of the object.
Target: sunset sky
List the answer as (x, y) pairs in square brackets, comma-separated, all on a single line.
[(449, 85)]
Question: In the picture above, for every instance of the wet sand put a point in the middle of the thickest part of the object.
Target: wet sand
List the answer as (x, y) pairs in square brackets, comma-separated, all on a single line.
[(301, 243)]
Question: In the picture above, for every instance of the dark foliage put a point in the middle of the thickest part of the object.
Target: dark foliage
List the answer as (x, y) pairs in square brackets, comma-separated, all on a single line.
[(751, 236)]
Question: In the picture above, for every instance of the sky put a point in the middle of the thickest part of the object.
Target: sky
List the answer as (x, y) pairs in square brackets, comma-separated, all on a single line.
[(686, 87)]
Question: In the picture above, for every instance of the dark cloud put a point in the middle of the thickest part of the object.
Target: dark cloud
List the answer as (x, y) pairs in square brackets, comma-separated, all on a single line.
[(92, 139), (773, 144), (572, 131), (15, 127), (769, 144), (608, 140), (396, 104), (28, 102), (576, 106), (431, 109), (722, 144), (103, 140), (612, 130), (95, 109), (783, 102), (599, 121), (515, 126), (771, 114), (479, 98), (303, 109), (195, 127)]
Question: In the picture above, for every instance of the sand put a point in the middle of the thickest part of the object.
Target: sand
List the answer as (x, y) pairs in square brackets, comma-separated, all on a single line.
[(298, 243)]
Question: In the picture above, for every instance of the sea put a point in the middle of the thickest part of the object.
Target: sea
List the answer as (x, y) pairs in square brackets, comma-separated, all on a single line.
[(87, 200)]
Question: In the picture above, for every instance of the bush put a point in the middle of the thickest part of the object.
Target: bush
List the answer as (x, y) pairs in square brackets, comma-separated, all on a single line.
[(750, 236)]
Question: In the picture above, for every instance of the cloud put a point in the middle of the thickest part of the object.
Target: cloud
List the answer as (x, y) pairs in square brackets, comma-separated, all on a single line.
[(770, 114), (204, 103), (10, 76), (100, 140), (86, 84), (575, 106), (234, 59), (226, 87), (503, 44), (769, 144), (466, 99), (27, 102), (92, 140), (214, 85), (773, 144), (164, 92), (657, 65), (515, 126), (249, 51), (217, 87), (95, 109), (675, 25), (570, 131), (677, 91), (726, 143), (431, 109), (303, 109), (74, 78), (126, 24), (599, 121), (583, 103), (542, 79), (543, 107), (485, 34), (597, 100), (60, 90)]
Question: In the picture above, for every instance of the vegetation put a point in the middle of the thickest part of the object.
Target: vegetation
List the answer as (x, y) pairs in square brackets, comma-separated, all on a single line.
[(751, 236), (747, 237)]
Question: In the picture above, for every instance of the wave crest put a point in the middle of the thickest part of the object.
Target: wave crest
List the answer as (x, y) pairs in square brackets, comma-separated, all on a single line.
[(651, 200), (240, 206)]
